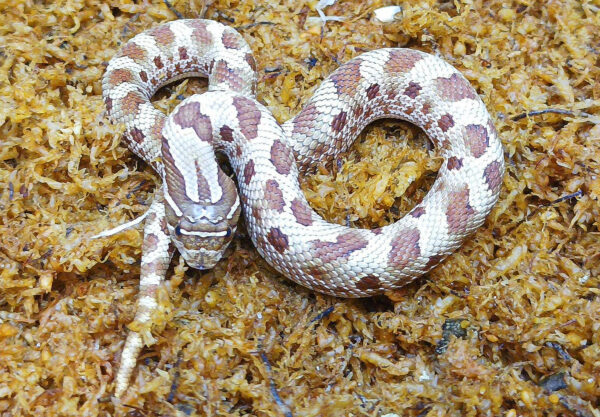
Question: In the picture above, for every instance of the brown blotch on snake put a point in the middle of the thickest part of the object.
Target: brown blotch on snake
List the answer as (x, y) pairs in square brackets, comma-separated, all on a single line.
[(339, 122), (158, 62), (493, 176), (274, 196), (120, 76), (200, 34), (137, 135), (248, 172), (343, 246), (133, 51), (372, 91), (402, 61), (183, 55), (454, 163), (304, 122), (455, 88), (281, 157), (368, 282), (302, 213), (191, 115), (226, 133), (163, 35), (278, 239), (248, 116), (459, 211), (223, 74), (412, 90), (476, 139), (446, 122), (150, 243), (346, 78), (131, 102), (405, 247), (230, 41), (418, 212)]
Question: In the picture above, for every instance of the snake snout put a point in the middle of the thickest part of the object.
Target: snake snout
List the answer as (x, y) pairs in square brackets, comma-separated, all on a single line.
[(202, 258)]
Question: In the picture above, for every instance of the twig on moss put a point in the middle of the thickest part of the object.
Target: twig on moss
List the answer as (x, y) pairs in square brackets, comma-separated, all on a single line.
[(137, 410), (576, 194), (323, 314), (173, 9), (135, 189), (560, 350), (251, 25), (554, 111), (273, 387), (175, 383)]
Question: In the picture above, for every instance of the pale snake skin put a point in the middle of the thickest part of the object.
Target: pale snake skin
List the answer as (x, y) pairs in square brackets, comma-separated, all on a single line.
[(197, 211)]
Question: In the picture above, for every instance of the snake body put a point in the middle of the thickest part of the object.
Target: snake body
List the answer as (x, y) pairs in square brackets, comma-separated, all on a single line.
[(198, 209)]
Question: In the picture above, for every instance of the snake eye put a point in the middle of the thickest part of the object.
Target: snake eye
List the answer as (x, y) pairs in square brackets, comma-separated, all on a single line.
[(178, 230), (228, 232)]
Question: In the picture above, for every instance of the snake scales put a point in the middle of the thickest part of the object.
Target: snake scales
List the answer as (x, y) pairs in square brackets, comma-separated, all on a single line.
[(198, 210)]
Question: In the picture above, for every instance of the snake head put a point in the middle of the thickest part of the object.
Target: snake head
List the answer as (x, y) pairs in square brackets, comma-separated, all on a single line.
[(202, 228), (202, 233)]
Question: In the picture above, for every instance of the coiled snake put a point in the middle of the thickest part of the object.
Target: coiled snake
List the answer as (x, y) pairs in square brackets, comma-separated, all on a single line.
[(198, 210)]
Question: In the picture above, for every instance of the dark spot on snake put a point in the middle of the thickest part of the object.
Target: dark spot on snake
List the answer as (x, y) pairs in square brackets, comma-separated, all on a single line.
[(278, 239), (493, 176), (418, 212), (274, 196), (368, 282), (301, 212), (251, 61), (226, 133), (341, 249), (454, 88), (109, 104), (405, 248), (426, 109), (339, 122), (137, 135), (248, 172), (358, 111), (445, 122), (372, 91), (230, 40), (412, 90), (477, 139), (459, 212), (454, 163), (281, 157), (433, 261), (183, 55), (248, 116)]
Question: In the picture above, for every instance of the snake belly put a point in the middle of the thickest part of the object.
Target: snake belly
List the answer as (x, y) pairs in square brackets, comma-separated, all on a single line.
[(197, 210)]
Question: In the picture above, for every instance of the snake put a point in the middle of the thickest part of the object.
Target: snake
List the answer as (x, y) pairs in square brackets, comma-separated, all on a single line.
[(198, 208)]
